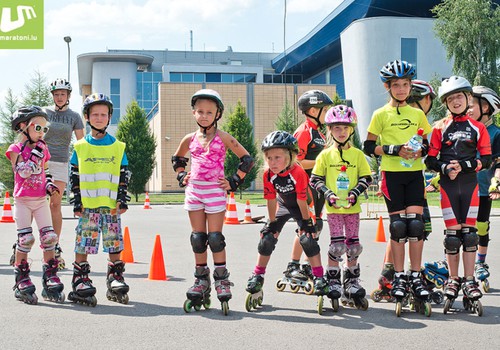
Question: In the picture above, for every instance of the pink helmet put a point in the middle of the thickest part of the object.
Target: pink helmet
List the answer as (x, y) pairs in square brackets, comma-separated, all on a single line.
[(341, 114)]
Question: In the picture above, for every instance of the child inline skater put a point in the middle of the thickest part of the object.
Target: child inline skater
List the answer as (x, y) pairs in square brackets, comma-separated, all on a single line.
[(460, 146), (402, 187), (313, 104), (486, 104), (343, 221), (285, 188), (32, 182), (100, 198), (205, 198)]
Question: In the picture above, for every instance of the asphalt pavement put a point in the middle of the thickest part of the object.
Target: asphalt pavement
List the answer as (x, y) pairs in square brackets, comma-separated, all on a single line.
[(154, 317)]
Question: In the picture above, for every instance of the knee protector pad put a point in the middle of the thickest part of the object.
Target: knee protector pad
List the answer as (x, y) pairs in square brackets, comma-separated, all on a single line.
[(310, 245), (415, 227), (216, 241), (452, 241), (48, 238), (483, 231), (470, 239), (397, 228), (426, 217), (25, 239), (199, 242), (337, 248), (354, 249), (267, 244)]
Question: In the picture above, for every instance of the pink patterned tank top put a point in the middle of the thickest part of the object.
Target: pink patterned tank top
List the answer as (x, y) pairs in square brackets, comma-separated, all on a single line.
[(207, 164)]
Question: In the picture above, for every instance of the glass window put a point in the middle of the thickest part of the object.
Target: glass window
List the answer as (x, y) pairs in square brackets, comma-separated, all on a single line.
[(138, 90), (139, 76), (250, 78), (199, 77), (213, 77), (409, 50), (297, 79), (277, 79), (175, 77), (187, 77), (226, 78), (157, 77), (114, 86), (238, 78), (147, 90), (320, 79), (148, 76), (268, 78), (115, 118)]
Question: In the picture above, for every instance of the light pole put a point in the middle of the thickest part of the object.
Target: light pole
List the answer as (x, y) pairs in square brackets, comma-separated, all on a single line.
[(67, 39)]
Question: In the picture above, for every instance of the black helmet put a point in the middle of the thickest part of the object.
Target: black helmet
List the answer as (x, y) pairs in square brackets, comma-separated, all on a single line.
[(314, 98), (210, 95), (97, 99), (280, 139), (397, 70), (25, 114)]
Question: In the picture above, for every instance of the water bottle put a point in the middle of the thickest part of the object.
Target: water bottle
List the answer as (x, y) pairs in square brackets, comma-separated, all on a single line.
[(342, 187), (415, 144)]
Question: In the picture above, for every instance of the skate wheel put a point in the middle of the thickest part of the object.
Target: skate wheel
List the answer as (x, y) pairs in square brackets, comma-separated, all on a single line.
[(61, 298), (248, 302), (399, 307), (467, 304), (427, 309), (93, 301), (447, 306), (294, 288), (320, 305), (207, 303), (437, 297), (187, 306), (225, 308), (479, 308), (335, 304), (363, 304), (486, 285), (125, 299), (376, 295), (280, 286), (309, 288), (197, 307)]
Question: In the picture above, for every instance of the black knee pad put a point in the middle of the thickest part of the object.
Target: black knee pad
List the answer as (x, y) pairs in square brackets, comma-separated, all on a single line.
[(415, 227), (310, 245), (199, 242), (216, 241), (470, 239), (452, 241), (397, 228), (267, 244)]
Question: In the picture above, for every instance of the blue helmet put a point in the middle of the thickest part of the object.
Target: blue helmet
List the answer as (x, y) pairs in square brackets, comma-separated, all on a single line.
[(397, 70)]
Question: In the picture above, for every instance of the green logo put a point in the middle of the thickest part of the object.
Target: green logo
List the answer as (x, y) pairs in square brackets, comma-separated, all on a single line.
[(21, 24)]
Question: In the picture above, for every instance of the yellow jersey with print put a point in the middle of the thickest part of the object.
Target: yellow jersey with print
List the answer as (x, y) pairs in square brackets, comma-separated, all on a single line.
[(397, 129)]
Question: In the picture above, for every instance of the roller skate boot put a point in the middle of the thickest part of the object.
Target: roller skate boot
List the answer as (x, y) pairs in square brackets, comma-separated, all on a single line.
[(83, 290), (199, 294), (223, 288), (117, 288), (451, 288), (383, 292), (13, 256), (354, 294), (255, 293), (472, 294), (436, 272), (400, 291), (52, 285), (419, 294), (295, 278), (321, 288), (62, 263), (481, 271), (436, 295), (24, 289)]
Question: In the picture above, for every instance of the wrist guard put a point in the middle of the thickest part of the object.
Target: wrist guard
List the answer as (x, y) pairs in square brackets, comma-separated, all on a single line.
[(180, 177), (246, 163), (50, 187), (37, 153), (270, 227), (468, 166), (179, 162), (308, 226), (234, 181), (392, 150)]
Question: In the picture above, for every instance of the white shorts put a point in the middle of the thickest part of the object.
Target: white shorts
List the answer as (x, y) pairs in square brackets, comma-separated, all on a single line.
[(59, 171), (206, 196)]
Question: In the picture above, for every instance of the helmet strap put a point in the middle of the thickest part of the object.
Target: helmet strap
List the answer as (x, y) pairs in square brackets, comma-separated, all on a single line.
[(316, 119), (340, 145), (99, 131), (464, 112)]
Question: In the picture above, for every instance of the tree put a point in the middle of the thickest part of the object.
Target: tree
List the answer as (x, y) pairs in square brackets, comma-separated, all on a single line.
[(287, 120), (37, 91), (469, 31), (8, 136), (438, 110), (133, 129), (239, 126)]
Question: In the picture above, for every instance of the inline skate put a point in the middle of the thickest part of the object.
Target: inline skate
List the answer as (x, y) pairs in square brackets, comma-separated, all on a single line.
[(353, 293), (13, 256), (472, 294), (321, 288), (400, 291), (83, 290), (295, 278), (435, 276), (255, 293), (223, 288), (24, 289), (52, 285), (199, 294), (333, 276), (481, 271), (419, 294), (117, 288), (383, 292), (451, 288), (62, 263)]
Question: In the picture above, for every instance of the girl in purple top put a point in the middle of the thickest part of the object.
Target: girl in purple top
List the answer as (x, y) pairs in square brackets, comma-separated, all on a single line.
[(31, 184), (205, 198)]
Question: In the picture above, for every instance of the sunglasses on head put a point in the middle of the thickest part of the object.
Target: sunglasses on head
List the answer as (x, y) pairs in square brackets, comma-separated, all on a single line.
[(39, 128)]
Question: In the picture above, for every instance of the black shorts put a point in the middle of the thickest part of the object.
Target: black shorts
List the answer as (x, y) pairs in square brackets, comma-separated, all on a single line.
[(403, 189), (459, 199)]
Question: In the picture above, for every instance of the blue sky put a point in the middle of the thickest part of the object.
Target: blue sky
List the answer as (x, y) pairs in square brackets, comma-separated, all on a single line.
[(94, 26)]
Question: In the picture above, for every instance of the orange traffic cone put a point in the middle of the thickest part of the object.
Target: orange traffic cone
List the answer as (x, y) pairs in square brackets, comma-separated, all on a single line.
[(147, 205), (127, 255), (248, 214), (7, 210), (231, 213), (380, 237), (312, 212), (157, 266)]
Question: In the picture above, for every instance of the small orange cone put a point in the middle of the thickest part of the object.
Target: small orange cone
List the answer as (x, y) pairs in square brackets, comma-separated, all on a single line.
[(380, 237), (231, 213), (157, 266), (312, 212), (248, 214), (7, 210), (127, 255), (147, 205)]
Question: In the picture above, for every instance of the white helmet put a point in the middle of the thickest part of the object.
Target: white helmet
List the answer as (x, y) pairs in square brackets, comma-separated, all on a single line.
[(452, 85), (60, 84), (483, 92)]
